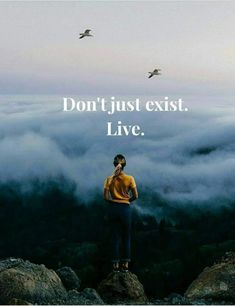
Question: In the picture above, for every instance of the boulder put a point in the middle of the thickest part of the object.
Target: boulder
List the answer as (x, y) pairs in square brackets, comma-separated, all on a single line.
[(216, 283), (122, 288), (25, 281), (69, 278), (88, 296)]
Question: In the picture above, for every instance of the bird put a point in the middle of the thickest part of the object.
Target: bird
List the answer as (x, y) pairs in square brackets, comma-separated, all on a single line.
[(155, 72), (86, 33)]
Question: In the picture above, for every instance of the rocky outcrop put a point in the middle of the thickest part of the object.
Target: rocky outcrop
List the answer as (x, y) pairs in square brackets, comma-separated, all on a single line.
[(25, 283), (122, 288), (216, 283), (29, 282), (69, 278)]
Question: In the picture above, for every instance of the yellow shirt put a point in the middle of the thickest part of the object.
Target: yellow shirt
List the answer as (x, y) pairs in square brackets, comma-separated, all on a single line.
[(120, 187)]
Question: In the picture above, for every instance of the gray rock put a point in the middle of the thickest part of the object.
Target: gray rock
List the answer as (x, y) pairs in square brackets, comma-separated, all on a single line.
[(227, 257), (69, 278), (122, 288), (216, 283), (92, 295), (15, 301), (88, 296), (29, 282), (177, 299), (172, 299)]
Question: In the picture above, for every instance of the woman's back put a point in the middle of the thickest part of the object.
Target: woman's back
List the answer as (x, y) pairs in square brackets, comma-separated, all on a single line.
[(119, 187)]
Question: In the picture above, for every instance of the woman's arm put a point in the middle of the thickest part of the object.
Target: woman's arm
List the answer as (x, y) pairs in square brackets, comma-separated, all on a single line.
[(106, 195), (134, 194)]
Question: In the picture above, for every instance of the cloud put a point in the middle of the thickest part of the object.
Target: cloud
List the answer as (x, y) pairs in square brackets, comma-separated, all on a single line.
[(183, 157)]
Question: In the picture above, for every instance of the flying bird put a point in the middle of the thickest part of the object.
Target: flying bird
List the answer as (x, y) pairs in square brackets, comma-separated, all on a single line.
[(86, 33), (155, 72)]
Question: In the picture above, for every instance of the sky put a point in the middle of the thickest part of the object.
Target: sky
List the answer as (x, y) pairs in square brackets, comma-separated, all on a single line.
[(192, 42)]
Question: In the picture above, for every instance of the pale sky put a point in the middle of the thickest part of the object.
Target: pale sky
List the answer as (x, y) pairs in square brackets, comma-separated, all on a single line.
[(192, 42)]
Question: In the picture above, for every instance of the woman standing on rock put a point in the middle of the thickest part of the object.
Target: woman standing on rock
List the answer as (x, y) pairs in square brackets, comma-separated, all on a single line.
[(117, 188)]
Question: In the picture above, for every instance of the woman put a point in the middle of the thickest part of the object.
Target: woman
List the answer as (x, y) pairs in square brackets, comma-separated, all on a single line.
[(117, 188)]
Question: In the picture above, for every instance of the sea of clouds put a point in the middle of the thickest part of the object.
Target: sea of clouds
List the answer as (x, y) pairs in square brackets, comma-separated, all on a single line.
[(183, 157)]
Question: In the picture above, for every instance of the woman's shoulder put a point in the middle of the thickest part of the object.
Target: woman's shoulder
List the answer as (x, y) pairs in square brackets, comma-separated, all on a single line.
[(129, 176)]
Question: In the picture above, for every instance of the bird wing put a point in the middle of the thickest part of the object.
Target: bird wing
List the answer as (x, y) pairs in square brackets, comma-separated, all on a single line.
[(87, 31), (81, 36), (150, 75)]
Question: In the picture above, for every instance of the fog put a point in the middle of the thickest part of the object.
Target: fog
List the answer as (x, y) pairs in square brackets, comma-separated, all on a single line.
[(183, 157)]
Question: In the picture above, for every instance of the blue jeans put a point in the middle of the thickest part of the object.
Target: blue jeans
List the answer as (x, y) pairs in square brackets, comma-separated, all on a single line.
[(120, 227)]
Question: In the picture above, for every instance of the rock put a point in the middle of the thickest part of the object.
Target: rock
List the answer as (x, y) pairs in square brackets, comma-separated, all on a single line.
[(69, 278), (228, 257), (122, 288), (88, 296), (177, 299), (216, 283), (23, 280), (172, 299), (92, 295), (15, 301)]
